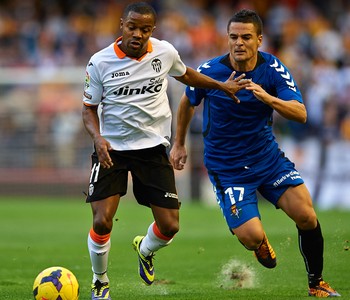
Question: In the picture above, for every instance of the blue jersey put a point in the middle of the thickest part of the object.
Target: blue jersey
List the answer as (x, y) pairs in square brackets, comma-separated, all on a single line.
[(238, 135)]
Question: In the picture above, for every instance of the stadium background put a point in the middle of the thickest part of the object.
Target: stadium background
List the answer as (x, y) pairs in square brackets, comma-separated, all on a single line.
[(45, 45)]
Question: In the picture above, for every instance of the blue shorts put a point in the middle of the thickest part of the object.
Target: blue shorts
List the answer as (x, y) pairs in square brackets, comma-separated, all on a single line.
[(236, 190)]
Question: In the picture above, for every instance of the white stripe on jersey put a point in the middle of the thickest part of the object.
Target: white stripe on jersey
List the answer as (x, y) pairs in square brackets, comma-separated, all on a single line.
[(135, 111)]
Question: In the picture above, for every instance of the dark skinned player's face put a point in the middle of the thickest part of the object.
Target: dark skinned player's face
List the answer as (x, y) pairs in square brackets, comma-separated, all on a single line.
[(136, 31)]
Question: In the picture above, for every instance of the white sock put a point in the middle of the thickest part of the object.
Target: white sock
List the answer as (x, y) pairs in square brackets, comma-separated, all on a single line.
[(99, 259), (151, 242)]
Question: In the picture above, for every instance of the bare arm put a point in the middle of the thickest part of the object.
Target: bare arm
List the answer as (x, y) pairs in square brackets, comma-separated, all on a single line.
[(178, 153), (230, 86), (291, 110), (91, 123)]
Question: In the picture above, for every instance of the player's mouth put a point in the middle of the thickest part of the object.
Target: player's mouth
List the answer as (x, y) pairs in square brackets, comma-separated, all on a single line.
[(135, 44), (239, 52)]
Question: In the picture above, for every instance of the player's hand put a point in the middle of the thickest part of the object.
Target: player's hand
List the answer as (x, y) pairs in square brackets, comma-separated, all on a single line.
[(178, 157), (233, 85), (102, 149), (258, 92)]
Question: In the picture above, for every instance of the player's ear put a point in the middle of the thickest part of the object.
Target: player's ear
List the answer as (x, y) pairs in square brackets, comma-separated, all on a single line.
[(260, 38), (121, 23)]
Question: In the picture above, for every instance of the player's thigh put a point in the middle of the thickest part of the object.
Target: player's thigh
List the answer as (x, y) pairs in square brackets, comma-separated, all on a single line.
[(105, 208), (296, 202)]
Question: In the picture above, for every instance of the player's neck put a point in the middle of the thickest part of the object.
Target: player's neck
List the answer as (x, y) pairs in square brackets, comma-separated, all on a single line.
[(243, 66)]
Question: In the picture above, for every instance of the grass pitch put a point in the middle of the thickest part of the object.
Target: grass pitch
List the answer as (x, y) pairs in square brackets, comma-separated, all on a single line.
[(204, 262)]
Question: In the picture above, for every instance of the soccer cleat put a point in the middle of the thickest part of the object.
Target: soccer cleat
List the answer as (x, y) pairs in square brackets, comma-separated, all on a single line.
[(265, 254), (100, 291), (323, 290), (146, 269)]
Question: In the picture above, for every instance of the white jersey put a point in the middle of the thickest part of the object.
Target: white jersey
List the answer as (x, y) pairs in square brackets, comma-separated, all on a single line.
[(135, 111)]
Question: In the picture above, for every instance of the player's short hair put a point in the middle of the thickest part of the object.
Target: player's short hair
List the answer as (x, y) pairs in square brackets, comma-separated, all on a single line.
[(142, 8), (247, 16)]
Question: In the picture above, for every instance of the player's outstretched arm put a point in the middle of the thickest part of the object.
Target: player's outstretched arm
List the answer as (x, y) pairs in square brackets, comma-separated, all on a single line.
[(231, 86)]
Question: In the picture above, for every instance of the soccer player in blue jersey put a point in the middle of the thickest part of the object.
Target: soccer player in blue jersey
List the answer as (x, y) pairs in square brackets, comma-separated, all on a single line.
[(241, 153)]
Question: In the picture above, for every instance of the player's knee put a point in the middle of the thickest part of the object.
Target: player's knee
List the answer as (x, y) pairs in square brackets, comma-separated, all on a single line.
[(170, 229), (307, 220), (251, 242), (102, 225)]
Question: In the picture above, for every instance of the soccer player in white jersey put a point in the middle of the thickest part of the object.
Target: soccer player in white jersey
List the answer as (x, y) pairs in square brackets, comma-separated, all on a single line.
[(241, 153), (128, 82)]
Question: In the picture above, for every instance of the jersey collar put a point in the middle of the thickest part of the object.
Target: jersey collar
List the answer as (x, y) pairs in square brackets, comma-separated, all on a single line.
[(226, 61), (121, 54)]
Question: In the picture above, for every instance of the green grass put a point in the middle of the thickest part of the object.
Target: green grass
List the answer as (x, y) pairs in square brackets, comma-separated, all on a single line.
[(38, 233)]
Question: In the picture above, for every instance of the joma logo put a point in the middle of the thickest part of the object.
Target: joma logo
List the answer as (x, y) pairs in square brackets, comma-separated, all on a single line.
[(120, 74)]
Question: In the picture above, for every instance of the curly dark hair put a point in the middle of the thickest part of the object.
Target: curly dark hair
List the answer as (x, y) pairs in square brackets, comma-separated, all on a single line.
[(143, 8)]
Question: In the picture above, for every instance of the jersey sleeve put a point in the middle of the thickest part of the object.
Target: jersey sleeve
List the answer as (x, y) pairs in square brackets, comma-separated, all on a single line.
[(178, 68), (286, 87), (195, 95), (93, 89)]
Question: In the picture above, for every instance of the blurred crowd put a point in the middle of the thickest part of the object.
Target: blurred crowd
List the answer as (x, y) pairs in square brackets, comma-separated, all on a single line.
[(311, 37)]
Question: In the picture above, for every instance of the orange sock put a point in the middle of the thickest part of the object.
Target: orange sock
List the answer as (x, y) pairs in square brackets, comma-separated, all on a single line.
[(159, 234), (99, 239)]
